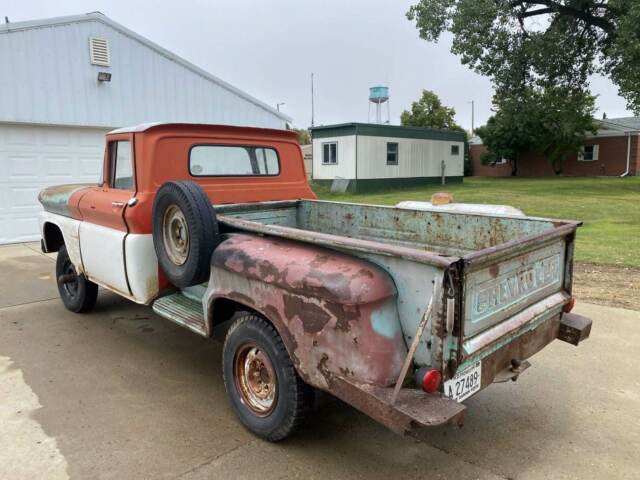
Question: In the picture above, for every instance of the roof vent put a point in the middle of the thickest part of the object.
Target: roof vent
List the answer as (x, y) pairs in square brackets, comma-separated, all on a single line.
[(99, 52)]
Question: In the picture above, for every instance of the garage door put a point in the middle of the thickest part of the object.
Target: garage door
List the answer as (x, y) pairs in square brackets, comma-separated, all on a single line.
[(33, 157)]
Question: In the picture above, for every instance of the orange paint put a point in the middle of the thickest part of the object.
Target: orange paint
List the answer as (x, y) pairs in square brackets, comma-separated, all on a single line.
[(161, 154)]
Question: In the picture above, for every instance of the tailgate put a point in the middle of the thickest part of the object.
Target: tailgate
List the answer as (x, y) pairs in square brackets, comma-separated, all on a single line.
[(511, 288), (499, 291)]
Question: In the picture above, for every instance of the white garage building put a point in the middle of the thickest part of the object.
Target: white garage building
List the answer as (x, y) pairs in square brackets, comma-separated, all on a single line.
[(66, 81), (375, 156)]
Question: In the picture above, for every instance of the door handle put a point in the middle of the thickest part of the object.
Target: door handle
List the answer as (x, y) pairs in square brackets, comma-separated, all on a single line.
[(117, 204)]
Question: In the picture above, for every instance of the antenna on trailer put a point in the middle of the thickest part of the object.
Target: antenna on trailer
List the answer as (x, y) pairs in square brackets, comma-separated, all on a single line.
[(312, 99)]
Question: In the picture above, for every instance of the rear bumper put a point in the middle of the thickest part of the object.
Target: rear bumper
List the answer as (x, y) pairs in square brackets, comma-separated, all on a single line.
[(413, 410), (499, 359)]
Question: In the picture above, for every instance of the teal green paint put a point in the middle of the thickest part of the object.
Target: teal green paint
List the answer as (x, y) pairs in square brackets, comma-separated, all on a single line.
[(379, 184), (505, 340), (56, 199), (375, 130), (385, 323)]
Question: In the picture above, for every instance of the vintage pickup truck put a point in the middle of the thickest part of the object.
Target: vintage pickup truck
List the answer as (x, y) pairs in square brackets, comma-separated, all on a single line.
[(401, 312)]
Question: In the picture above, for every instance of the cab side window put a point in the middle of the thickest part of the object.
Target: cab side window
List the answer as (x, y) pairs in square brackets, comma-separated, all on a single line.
[(121, 165)]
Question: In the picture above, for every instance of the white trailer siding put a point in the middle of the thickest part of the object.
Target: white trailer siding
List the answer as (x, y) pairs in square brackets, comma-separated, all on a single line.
[(416, 158), (363, 149), (346, 166)]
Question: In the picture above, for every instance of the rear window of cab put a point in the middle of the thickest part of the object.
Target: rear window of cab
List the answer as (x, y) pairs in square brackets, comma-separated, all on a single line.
[(233, 160)]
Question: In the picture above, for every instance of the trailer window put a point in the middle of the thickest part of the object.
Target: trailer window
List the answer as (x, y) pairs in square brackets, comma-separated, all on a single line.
[(232, 160), (330, 153), (392, 153), (455, 149)]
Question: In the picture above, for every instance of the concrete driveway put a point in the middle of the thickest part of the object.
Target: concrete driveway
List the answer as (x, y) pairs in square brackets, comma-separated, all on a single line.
[(120, 393)]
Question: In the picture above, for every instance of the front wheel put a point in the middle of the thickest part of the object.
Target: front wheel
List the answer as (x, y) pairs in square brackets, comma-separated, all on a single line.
[(77, 293), (265, 391)]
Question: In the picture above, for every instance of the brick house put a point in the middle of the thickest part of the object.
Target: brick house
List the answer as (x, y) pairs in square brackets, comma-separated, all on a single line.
[(613, 151)]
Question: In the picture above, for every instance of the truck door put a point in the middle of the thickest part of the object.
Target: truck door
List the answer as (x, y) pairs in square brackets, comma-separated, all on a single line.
[(103, 229)]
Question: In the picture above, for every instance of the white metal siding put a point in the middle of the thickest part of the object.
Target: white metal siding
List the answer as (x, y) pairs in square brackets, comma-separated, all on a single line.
[(416, 158), (47, 77), (33, 157), (346, 166)]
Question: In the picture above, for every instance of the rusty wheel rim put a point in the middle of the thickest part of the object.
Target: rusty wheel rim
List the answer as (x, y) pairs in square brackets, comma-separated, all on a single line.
[(71, 288), (175, 235), (255, 379)]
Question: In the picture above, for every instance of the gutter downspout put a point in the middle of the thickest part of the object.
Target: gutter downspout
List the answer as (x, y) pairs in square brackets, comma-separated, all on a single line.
[(626, 172)]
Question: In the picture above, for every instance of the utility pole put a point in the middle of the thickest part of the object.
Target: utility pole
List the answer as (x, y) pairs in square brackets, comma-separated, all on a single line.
[(472, 119), (312, 99)]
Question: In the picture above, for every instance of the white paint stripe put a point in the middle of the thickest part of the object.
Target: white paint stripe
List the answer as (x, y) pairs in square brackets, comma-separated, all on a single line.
[(26, 452)]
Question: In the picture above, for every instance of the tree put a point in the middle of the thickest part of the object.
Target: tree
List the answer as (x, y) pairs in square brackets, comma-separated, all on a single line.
[(430, 112), (553, 122), (304, 137), (540, 43)]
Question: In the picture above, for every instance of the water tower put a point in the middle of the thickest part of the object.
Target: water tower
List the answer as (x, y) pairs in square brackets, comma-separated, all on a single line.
[(379, 95)]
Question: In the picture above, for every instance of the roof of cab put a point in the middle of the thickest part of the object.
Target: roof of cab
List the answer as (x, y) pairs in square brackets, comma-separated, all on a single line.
[(144, 127)]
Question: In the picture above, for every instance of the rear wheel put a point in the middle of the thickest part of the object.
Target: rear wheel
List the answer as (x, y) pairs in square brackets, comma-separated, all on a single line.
[(77, 293), (265, 391)]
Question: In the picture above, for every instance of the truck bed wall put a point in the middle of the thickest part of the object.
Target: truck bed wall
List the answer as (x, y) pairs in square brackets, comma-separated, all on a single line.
[(439, 232)]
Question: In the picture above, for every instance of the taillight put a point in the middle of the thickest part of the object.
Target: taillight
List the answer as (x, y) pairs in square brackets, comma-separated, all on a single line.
[(431, 380), (569, 305)]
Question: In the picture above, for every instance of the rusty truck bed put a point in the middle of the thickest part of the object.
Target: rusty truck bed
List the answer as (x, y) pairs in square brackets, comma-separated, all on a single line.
[(498, 283)]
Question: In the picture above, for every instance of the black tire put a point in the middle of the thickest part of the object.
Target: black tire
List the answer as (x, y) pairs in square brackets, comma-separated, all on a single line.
[(80, 295), (293, 398), (185, 262)]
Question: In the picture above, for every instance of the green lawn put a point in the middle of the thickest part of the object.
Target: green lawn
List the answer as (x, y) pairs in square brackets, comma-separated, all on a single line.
[(609, 208)]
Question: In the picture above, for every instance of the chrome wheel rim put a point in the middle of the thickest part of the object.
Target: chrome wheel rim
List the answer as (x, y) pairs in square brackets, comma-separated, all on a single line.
[(175, 235), (255, 379)]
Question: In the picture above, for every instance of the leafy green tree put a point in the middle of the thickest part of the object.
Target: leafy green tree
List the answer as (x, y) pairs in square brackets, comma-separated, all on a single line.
[(304, 137), (430, 112), (553, 122), (540, 43)]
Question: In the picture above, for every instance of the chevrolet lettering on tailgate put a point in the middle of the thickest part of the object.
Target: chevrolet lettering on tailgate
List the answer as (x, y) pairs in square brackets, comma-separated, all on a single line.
[(516, 285)]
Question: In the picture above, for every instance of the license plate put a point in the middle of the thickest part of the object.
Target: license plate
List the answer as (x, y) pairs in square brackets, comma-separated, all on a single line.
[(464, 383)]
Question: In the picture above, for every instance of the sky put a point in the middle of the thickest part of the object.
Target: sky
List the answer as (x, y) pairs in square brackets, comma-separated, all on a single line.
[(270, 48)]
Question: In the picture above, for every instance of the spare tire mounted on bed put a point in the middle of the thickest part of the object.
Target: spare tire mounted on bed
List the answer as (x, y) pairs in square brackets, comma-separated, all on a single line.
[(185, 232)]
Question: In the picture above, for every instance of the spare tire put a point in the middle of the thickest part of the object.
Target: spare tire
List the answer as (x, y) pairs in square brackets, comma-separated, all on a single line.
[(185, 232)]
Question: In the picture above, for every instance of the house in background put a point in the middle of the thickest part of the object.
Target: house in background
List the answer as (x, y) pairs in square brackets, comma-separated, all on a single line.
[(65, 82), (374, 156), (613, 151)]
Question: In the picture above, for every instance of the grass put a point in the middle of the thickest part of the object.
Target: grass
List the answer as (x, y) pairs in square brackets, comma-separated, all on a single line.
[(609, 208)]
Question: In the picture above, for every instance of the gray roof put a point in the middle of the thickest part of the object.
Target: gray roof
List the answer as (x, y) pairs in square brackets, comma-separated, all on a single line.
[(622, 123), (385, 130), (37, 94)]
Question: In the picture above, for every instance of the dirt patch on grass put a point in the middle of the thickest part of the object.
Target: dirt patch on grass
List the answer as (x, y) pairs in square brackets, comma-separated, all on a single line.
[(607, 285)]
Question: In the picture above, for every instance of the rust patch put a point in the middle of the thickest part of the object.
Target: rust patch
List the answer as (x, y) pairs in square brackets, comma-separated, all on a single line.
[(312, 316)]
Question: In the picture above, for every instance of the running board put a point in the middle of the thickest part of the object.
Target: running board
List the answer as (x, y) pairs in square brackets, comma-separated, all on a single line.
[(182, 310)]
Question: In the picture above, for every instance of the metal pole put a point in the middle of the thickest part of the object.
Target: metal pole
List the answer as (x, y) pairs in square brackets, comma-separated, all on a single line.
[(412, 349), (312, 112), (472, 114), (443, 166)]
